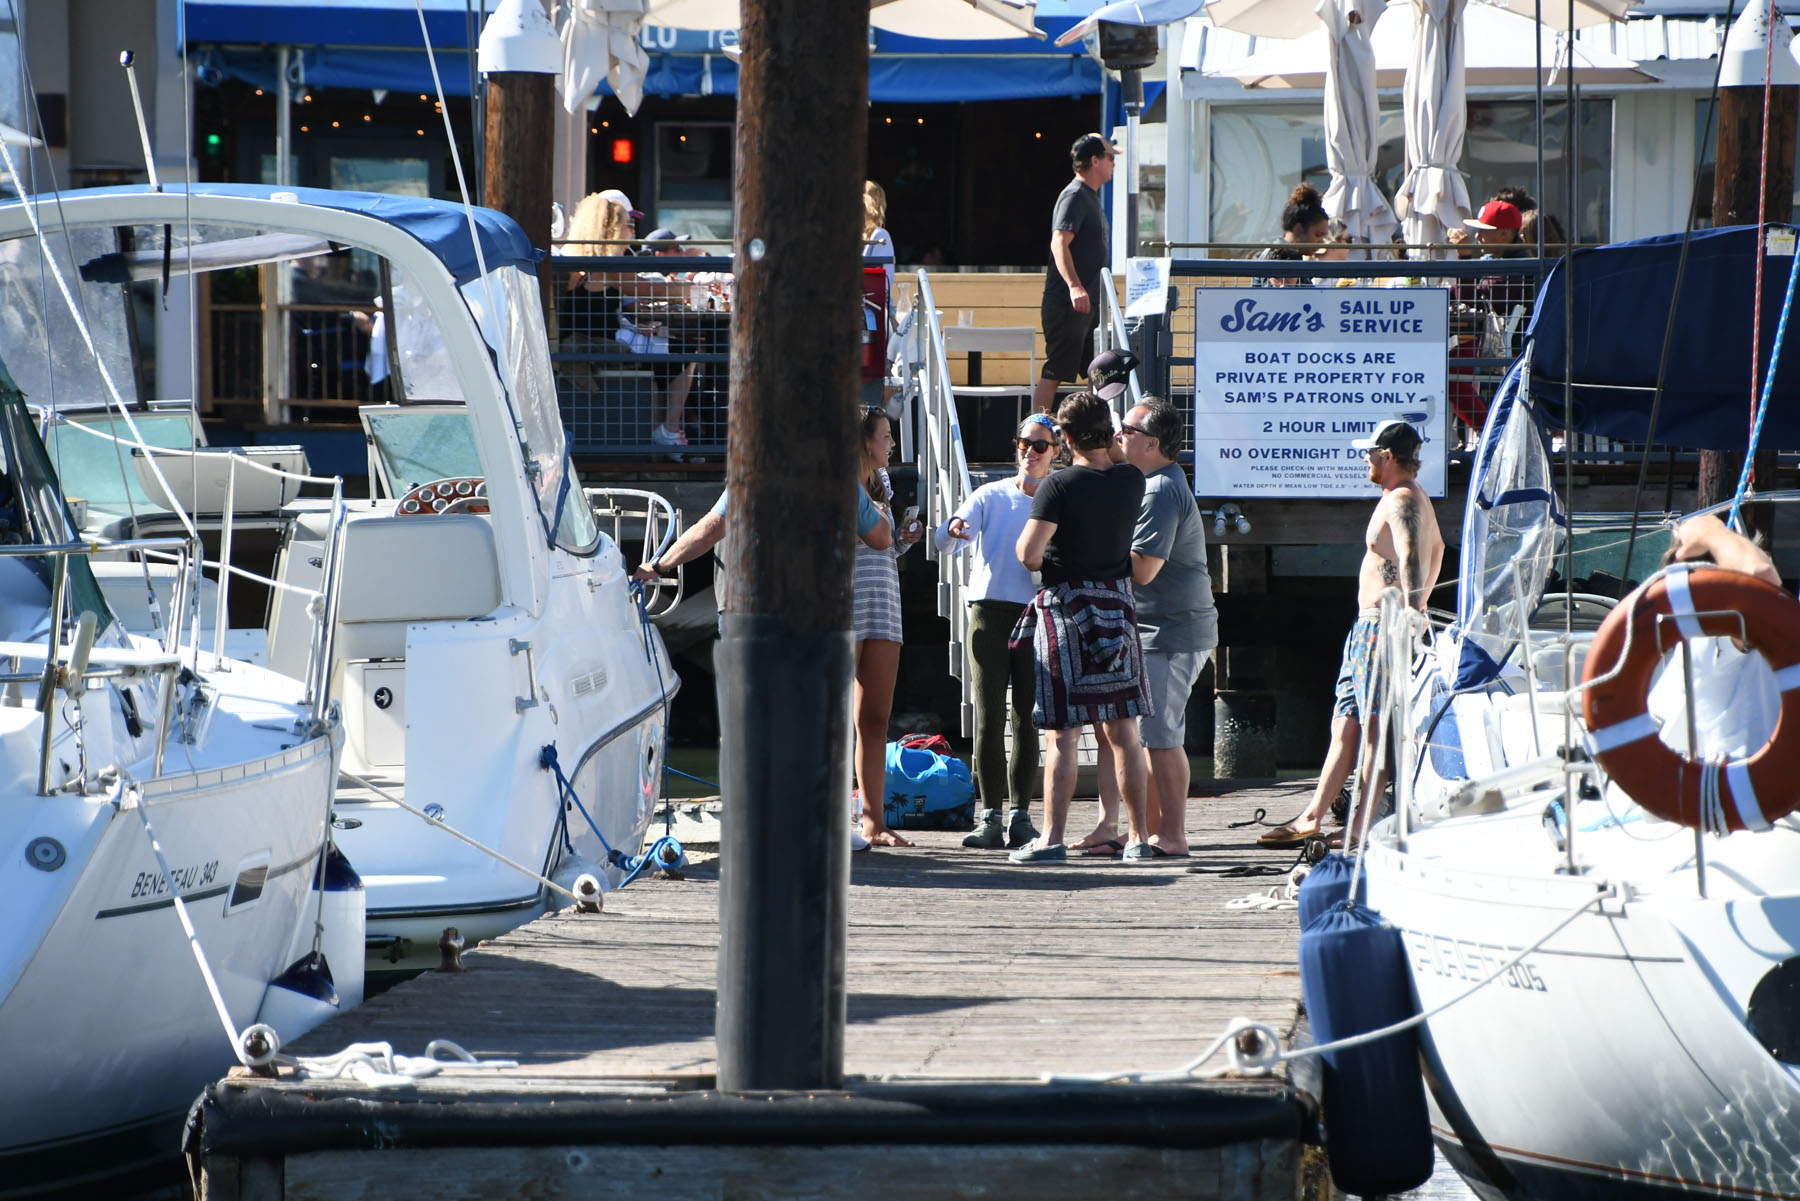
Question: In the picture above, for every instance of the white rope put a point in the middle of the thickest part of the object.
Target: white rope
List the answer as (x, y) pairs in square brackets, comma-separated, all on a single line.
[(376, 1065), (452, 830), (1258, 1056), (1279, 896)]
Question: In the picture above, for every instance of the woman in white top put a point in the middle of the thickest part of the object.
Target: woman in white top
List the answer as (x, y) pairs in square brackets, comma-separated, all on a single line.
[(876, 242), (988, 525)]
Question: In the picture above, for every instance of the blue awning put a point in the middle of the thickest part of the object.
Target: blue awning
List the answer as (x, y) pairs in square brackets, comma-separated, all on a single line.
[(375, 44), (1622, 297)]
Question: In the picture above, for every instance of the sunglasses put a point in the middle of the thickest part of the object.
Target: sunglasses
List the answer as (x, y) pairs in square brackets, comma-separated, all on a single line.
[(1128, 428), (1035, 445)]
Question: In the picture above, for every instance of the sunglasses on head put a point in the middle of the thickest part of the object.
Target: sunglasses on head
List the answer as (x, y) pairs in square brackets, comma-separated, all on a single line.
[(1036, 446)]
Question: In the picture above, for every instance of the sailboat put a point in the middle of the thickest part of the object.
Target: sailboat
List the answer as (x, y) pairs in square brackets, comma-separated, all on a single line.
[(504, 696), (1608, 977), (174, 902)]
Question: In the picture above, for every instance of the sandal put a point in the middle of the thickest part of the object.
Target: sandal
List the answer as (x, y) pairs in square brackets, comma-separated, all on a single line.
[(1285, 838)]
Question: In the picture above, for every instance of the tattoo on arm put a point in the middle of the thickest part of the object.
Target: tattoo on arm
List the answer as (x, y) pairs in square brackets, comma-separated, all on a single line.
[(1408, 524)]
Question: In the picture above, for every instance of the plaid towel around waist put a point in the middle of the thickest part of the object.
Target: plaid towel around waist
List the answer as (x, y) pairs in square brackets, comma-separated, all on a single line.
[(1090, 666)]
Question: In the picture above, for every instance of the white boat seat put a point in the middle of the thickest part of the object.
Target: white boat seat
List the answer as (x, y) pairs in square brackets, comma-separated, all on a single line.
[(400, 570)]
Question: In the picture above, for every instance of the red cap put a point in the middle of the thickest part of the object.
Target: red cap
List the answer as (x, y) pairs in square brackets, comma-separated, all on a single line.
[(1496, 214)]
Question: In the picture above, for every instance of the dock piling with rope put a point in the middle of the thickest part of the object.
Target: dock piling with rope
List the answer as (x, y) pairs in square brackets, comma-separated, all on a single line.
[(970, 981)]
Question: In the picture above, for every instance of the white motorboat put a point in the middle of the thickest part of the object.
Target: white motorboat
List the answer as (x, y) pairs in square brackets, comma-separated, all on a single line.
[(167, 859), (499, 680), (1640, 1035)]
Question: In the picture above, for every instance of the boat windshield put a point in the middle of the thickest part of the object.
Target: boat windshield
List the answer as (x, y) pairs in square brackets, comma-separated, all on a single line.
[(418, 443), (33, 512), (99, 471)]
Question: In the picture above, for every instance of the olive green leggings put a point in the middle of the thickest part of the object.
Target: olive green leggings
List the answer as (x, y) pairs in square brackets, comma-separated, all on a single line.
[(992, 665)]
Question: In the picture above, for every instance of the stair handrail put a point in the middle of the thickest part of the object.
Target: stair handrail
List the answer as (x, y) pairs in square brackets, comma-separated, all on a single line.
[(944, 482)]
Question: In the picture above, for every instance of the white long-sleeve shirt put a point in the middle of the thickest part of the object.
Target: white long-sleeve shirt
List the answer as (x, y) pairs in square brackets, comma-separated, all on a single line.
[(996, 514)]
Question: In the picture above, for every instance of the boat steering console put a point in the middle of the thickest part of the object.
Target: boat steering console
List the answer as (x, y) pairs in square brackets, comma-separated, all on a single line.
[(452, 494)]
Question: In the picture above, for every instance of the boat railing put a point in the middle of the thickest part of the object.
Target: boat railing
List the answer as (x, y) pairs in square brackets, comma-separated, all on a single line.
[(647, 518), (944, 482), (70, 664), (322, 606)]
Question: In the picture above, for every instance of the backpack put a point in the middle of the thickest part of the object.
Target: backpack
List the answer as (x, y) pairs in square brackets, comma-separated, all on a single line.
[(927, 787)]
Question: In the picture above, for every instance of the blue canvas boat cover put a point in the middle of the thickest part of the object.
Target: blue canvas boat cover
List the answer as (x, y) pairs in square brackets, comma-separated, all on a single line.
[(1622, 295), (441, 225)]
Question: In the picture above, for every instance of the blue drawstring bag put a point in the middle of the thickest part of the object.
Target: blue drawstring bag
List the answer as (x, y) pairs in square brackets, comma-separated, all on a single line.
[(927, 790)]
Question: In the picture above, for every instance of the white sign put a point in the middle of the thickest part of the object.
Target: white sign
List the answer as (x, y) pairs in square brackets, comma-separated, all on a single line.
[(1146, 287), (1286, 378)]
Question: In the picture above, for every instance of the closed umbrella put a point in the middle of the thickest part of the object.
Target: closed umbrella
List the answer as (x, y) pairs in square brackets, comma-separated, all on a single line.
[(600, 41), (1433, 196), (1353, 120)]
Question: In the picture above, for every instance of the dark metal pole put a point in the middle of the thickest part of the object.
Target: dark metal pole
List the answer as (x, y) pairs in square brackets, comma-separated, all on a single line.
[(785, 660), (1737, 176)]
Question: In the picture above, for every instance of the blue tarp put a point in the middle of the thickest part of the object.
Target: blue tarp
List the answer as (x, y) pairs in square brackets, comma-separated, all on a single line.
[(440, 224), (1622, 297)]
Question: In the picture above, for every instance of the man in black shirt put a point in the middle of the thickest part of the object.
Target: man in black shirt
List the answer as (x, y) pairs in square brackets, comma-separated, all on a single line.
[(1079, 244)]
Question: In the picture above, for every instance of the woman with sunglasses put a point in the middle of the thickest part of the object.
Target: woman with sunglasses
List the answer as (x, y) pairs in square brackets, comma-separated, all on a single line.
[(988, 526)]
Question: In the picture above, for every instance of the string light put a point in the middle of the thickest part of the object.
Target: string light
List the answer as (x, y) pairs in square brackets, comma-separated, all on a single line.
[(334, 124), (421, 133), (259, 91), (921, 120), (366, 117), (305, 129)]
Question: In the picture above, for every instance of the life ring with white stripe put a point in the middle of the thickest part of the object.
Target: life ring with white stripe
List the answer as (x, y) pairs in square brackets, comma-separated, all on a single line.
[(1743, 794)]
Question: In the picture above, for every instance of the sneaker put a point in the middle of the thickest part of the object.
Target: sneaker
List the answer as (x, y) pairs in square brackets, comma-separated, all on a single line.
[(857, 841), (1019, 829), (989, 834), (662, 435)]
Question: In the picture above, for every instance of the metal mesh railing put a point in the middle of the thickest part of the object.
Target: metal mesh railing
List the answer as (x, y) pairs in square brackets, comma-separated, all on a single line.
[(640, 347)]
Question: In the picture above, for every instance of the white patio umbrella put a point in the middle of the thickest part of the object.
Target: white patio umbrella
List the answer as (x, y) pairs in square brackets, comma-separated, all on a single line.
[(1555, 13), (1353, 120), (1433, 196), (600, 41), (1501, 50)]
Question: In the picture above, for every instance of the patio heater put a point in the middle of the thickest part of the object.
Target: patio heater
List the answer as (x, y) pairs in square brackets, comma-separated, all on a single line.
[(1128, 49)]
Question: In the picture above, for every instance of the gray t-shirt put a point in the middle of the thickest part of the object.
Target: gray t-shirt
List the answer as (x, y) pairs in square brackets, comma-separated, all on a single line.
[(1175, 610), (1078, 212)]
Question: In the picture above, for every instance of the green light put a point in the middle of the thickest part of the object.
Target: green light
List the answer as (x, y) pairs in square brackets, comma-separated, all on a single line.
[(213, 139)]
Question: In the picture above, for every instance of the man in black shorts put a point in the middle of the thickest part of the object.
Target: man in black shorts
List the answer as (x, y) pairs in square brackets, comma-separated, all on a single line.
[(1079, 245)]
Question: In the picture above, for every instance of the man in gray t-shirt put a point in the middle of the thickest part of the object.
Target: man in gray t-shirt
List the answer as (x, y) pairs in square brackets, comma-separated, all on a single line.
[(1177, 623)]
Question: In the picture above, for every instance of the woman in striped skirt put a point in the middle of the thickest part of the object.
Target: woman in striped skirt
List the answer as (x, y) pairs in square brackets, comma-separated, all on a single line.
[(877, 625)]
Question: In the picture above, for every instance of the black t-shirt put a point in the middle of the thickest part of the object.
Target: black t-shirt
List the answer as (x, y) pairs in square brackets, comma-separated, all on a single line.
[(1078, 210), (1095, 514)]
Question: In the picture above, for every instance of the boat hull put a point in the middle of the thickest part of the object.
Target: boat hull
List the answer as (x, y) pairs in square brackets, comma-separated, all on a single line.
[(107, 1023), (1614, 1060)]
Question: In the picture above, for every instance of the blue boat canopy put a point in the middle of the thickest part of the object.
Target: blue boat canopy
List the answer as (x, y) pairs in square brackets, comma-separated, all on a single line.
[(1621, 299), (441, 225)]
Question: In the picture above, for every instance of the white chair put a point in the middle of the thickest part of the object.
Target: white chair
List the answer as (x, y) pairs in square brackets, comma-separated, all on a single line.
[(995, 339)]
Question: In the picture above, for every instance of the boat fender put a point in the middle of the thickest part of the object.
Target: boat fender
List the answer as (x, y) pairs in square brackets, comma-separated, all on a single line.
[(1743, 794), (1325, 885), (1354, 978)]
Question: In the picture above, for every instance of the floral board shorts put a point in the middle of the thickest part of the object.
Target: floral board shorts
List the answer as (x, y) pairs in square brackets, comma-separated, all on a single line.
[(1356, 674)]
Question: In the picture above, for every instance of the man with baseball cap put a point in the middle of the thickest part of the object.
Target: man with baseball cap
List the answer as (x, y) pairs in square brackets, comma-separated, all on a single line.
[(1404, 551), (1079, 245)]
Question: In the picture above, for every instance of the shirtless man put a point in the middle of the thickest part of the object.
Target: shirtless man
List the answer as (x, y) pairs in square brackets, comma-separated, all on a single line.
[(1405, 551)]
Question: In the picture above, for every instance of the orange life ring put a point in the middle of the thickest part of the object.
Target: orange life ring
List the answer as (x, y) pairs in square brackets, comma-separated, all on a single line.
[(1702, 601)]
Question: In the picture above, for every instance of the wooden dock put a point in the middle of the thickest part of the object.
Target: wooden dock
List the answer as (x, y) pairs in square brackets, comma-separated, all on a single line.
[(970, 980)]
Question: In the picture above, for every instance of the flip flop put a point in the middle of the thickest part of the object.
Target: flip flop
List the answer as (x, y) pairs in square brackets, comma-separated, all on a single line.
[(1112, 848), (1284, 838), (1157, 852)]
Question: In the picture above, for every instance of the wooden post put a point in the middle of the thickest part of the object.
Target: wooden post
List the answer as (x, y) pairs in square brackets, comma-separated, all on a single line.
[(1737, 186), (520, 57), (785, 658), (518, 173)]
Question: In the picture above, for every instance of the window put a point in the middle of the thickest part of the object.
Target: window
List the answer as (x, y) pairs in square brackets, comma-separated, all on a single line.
[(1260, 153), (693, 178)]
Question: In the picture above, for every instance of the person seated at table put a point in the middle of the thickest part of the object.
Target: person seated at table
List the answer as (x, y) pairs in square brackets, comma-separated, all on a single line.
[(647, 336)]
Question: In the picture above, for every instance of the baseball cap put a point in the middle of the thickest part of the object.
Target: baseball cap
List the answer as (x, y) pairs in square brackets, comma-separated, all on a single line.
[(1496, 214), (1110, 372), (662, 235), (1090, 145), (1392, 434), (622, 198)]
